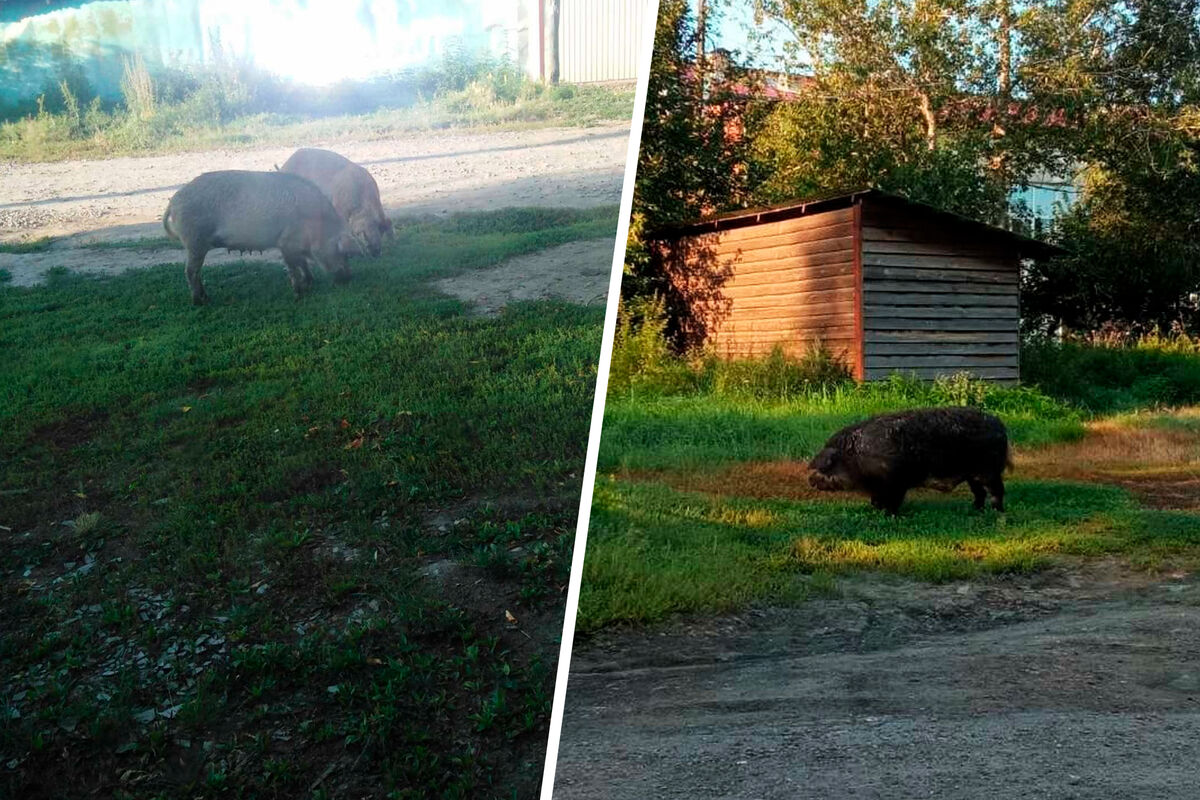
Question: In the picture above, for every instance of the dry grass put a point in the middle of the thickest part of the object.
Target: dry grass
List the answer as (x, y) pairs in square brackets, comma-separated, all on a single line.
[(1161, 465)]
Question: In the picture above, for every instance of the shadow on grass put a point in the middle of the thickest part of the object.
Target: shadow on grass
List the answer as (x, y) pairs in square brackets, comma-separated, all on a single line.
[(654, 551), (216, 517)]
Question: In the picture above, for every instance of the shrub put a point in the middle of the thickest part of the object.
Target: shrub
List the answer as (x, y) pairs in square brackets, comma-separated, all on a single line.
[(1115, 373), (642, 362)]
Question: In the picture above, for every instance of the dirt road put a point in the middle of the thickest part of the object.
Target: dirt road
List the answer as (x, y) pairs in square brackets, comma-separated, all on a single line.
[(436, 173), (1081, 682)]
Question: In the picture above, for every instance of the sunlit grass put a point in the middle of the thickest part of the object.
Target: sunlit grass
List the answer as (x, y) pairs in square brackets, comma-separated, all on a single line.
[(654, 551)]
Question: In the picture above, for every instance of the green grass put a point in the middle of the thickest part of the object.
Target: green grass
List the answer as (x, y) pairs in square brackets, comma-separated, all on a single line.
[(654, 551), (144, 243), (268, 473), (30, 246), (702, 431)]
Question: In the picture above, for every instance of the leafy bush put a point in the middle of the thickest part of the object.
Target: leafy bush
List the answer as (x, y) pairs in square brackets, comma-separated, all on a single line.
[(1111, 374), (642, 362)]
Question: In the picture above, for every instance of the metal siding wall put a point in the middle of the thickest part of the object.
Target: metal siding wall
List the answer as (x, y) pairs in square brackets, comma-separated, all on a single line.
[(598, 39)]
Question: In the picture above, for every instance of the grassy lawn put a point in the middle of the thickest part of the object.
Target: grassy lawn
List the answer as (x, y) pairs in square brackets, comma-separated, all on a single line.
[(703, 505), (270, 548)]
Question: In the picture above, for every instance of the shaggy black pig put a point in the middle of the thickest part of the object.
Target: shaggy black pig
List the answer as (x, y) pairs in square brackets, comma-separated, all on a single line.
[(887, 455), (241, 210), (350, 188)]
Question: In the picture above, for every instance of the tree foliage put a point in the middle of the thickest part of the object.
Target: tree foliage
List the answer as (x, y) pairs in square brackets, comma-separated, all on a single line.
[(957, 103)]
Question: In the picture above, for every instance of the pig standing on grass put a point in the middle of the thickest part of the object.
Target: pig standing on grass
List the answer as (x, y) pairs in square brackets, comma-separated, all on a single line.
[(350, 188), (241, 210), (887, 455)]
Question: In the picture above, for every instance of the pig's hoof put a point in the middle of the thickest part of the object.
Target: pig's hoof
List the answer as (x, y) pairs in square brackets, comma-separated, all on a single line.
[(199, 299)]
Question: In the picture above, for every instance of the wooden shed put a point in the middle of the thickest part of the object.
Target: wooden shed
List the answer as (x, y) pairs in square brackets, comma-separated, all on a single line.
[(888, 284)]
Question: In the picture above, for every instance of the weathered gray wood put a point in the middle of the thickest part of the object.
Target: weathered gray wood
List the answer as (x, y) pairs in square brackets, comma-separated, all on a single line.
[(986, 373), (1005, 277), (938, 287), (886, 299), (939, 349), (922, 362), (926, 247), (886, 320), (936, 262), (943, 337)]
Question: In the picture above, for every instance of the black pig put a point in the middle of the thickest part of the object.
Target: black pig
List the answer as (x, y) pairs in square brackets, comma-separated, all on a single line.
[(887, 455)]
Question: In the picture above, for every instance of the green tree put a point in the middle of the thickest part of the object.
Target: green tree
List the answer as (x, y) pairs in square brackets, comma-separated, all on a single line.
[(691, 162)]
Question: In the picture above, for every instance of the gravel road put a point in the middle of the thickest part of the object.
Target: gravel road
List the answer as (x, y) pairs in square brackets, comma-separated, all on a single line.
[(1077, 683), (433, 173)]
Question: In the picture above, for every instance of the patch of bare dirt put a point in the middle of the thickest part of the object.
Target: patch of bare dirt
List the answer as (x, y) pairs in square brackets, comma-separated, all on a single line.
[(577, 272), (419, 174), (1160, 466)]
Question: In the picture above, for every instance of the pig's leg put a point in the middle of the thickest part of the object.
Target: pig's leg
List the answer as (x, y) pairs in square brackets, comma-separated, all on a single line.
[(195, 260), (888, 499), (979, 492), (295, 268), (308, 276), (995, 485)]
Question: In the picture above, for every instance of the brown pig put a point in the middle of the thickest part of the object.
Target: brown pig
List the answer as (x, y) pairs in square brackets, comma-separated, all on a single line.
[(242, 210), (350, 188)]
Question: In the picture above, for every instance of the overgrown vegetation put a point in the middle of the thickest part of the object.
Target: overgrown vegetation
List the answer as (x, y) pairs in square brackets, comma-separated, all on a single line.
[(289, 548), (1114, 374), (233, 104)]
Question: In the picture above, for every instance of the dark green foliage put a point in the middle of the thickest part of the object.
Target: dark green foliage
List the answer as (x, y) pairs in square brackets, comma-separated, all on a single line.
[(1102, 378)]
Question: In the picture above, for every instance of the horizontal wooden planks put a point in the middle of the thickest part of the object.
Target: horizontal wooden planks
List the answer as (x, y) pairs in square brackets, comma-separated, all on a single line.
[(888, 306), (986, 373), (921, 349), (749, 233), (882, 323), (723, 246), (934, 300), (939, 287), (944, 337), (925, 361), (975, 276), (789, 271), (739, 290), (936, 262), (831, 326)]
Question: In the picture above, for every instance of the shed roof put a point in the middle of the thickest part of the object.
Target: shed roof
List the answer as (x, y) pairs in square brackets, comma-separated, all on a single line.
[(1027, 247)]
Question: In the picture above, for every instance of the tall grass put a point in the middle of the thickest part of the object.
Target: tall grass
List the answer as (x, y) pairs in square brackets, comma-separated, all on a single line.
[(1107, 374)]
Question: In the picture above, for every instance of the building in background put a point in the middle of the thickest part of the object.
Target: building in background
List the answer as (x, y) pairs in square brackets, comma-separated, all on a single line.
[(317, 42)]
